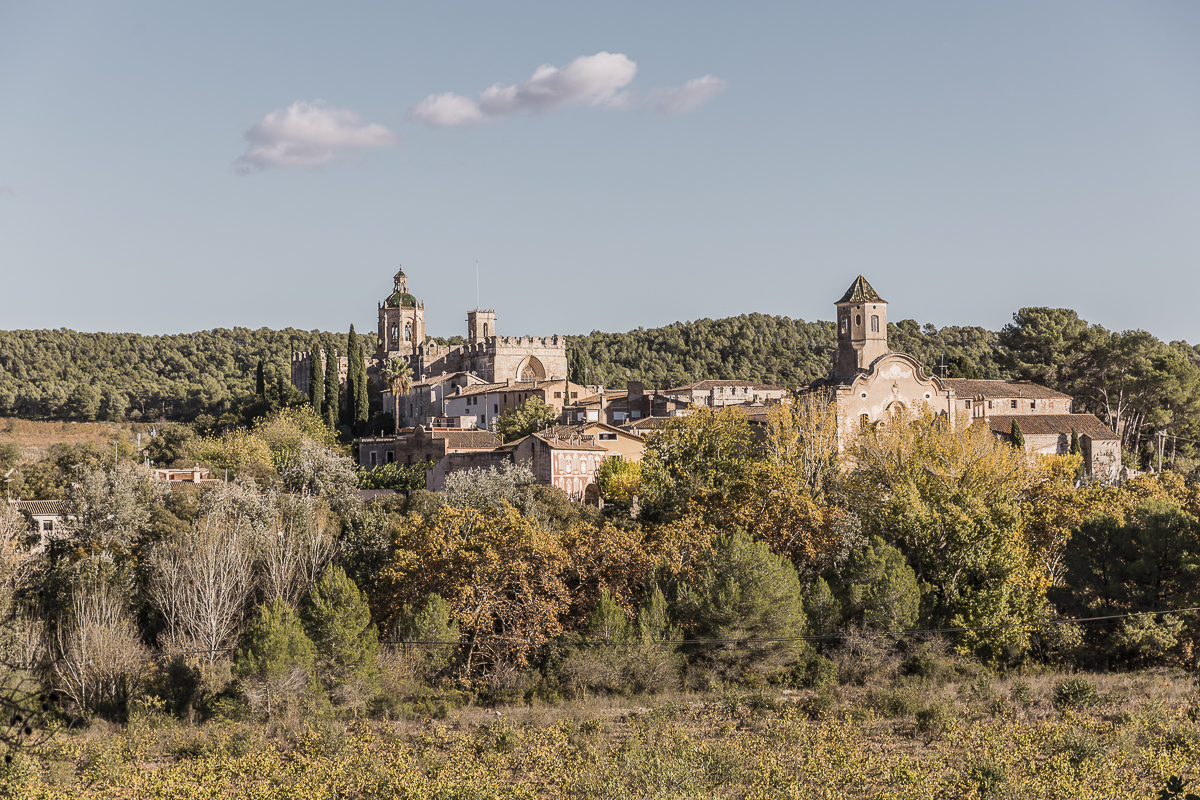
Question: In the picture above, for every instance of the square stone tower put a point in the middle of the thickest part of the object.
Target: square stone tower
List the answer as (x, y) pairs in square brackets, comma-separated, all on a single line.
[(862, 330), (481, 325)]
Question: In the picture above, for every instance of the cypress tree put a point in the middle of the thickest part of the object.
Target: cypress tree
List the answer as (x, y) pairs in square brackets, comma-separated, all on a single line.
[(316, 381), (332, 387), (260, 383), (362, 402), (351, 379), (1075, 448), (1018, 438)]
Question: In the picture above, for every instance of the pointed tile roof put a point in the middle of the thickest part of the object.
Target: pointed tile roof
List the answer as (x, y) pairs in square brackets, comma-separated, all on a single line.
[(861, 292)]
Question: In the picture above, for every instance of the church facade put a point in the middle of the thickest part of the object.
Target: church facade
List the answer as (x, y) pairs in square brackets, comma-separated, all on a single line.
[(486, 355), (871, 384)]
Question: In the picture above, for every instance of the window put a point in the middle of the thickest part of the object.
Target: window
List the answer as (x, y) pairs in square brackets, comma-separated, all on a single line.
[(558, 395), (1032, 404), (1014, 403), (874, 323), (408, 331), (496, 408), (48, 525), (608, 437), (968, 404), (845, 324), (864, 421), (858, 320), (485, 330), (989, 403), (374, 458), (395, 333), (391, 456), (574, 395)]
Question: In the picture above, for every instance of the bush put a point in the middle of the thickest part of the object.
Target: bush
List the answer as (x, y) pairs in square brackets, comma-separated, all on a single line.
[(1075, 693), (934, 719), (817, 673), (903, 701)]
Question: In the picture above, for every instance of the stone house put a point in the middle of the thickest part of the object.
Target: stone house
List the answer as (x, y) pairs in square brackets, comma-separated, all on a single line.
[(419, 444), (717, 394), (488, 401)]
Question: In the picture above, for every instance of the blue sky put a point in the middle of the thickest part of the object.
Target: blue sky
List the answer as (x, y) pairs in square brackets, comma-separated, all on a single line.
[(167, 168)]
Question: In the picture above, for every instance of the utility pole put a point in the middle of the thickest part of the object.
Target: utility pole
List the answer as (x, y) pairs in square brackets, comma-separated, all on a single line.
[(1162, 441)]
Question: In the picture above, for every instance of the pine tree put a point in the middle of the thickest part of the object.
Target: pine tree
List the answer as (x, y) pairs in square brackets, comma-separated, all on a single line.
[(338, 622), (260, 382), (1018, 438), (332, 388), (316, 381)]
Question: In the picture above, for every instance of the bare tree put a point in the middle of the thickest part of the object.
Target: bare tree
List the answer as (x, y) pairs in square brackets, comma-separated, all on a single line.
[(297, 550), (100, 659), (201, 579)]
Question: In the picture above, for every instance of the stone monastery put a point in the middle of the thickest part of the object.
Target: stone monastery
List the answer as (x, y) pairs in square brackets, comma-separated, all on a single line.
[(486, 355), (870, 384)]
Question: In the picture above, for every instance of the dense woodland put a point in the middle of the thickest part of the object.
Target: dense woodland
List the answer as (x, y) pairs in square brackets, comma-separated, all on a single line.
[(1139, 385)]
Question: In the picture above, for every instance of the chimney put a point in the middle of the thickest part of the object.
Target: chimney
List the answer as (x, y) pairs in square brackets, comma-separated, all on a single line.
[(509, 382)]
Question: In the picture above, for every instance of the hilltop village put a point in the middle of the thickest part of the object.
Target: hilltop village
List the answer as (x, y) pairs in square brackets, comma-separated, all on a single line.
[(454, 396)]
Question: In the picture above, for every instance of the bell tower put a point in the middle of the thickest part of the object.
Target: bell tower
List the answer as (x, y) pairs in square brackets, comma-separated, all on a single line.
[(862, 330), (401, 321)]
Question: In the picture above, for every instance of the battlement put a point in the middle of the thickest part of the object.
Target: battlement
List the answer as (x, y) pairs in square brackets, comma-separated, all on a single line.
[(529, 341)]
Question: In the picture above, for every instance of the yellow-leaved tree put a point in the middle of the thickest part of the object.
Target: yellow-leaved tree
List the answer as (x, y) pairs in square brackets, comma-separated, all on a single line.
[(951, 498), (500, 573)]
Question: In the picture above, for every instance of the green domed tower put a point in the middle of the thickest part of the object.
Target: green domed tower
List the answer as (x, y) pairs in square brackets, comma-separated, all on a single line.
[(401, 321)]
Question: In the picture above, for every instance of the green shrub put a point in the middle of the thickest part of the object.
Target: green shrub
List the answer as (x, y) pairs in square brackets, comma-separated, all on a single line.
[(1020, 693), (934, 719), (1075, 693), (817, 673), (894, 702), (1080, 748), (986, 777)]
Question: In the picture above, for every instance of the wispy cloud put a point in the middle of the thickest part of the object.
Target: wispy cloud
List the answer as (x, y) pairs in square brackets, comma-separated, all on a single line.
[(7, 191), (308, 135), (689, 97), (597, 80)]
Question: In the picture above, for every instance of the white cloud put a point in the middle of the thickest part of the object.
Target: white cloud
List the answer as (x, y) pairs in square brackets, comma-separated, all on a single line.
[(590, 80), (689, 97), (307, 135)]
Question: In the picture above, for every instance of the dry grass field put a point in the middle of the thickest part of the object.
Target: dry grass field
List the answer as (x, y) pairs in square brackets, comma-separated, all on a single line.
[(35, 438)]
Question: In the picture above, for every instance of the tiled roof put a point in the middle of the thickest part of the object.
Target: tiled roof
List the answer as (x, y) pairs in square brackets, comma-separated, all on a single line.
[(434, 380), (559, 443), (40, 507), (646, 423), (517, 386), (991, 390), (861, 292), (1043, 424), (467, 439), (706, 385), (581, 429), (479, 388)]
